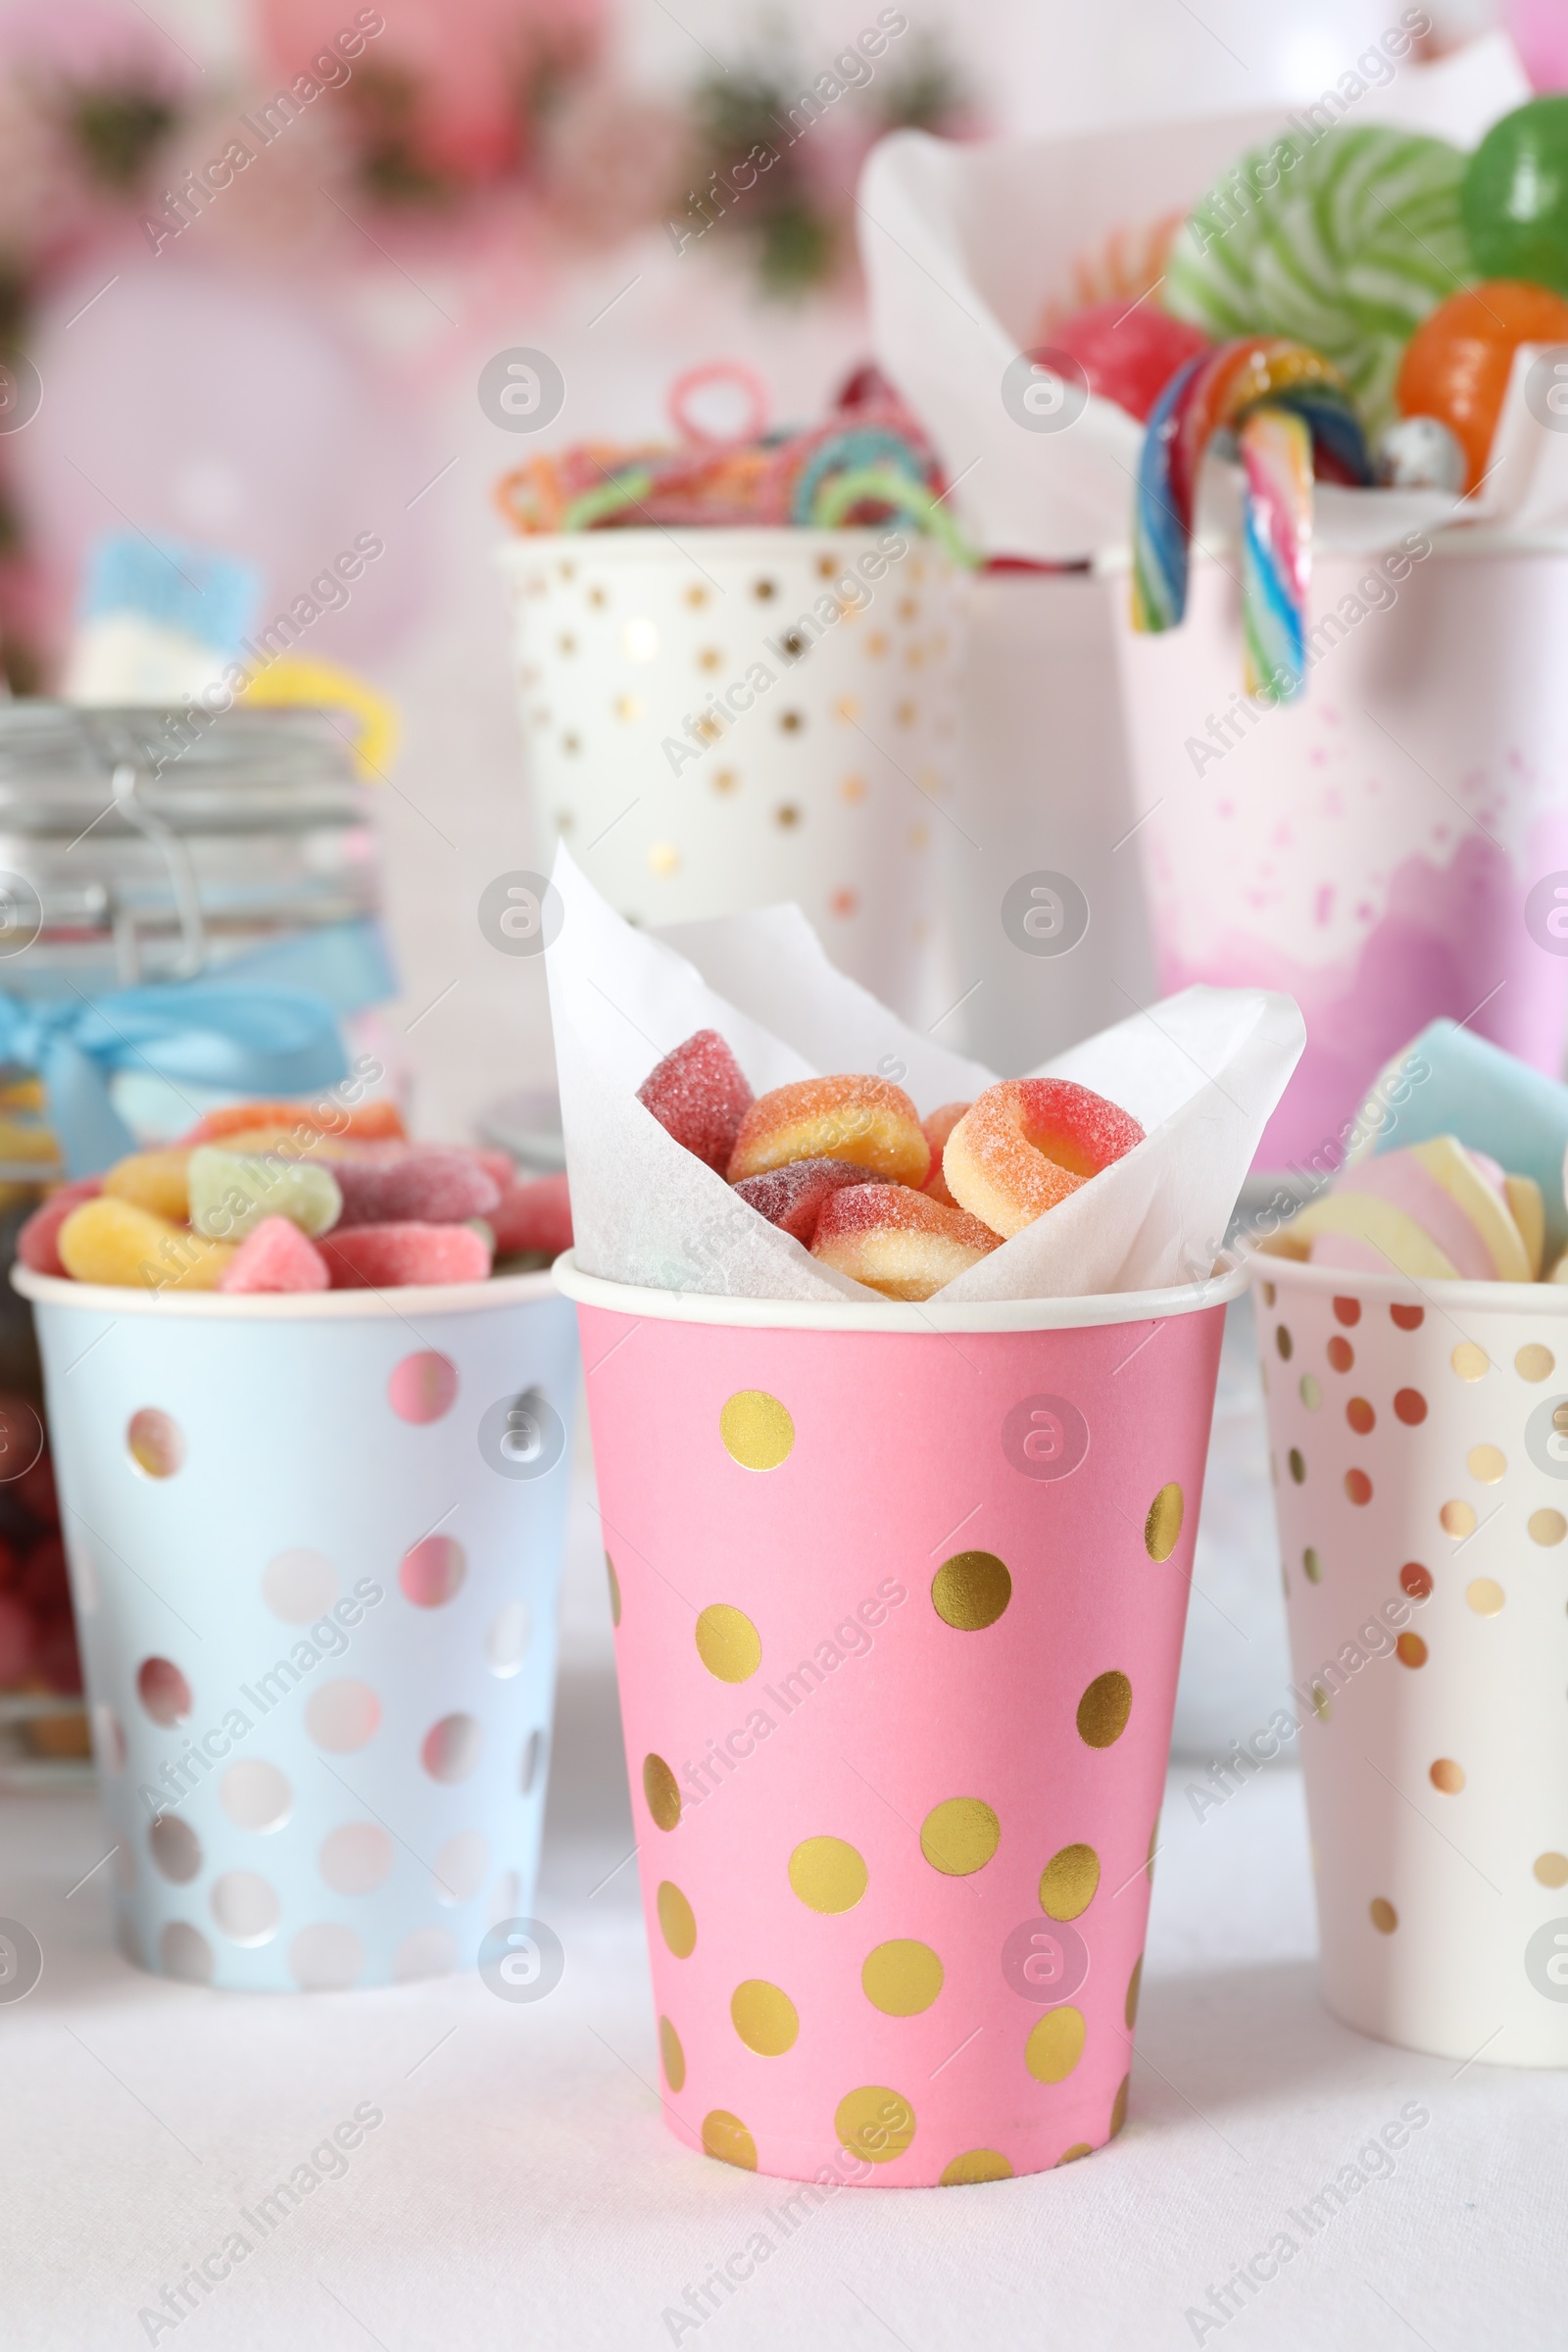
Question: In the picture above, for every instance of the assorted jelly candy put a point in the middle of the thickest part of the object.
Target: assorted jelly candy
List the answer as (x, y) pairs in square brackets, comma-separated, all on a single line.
[(1024, 1144), (533, 1218), (792, 1197), (1514, 198), (232, 1193), (381, 1258), (37, 1242), (1421, 453), (379, 1121), (416, 1184), (1345, 241), (1435, 1210), (699, 1094), (154, 1180), (867, 1121), (936, 1128), (1128, 350), (1458, 365), (276, 1256), (113, 1241), (898, 1240)]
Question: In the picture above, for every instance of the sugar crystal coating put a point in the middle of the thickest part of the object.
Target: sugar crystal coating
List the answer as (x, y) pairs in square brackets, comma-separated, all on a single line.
[(232, 1193), (375, 1257), (534, 1215), (276, 1256), (37, 1242), (792, 1197), (866, 1120), (937, 1126), (898, 1240), (1024, 1144), (419, 1184), (700, 1096)]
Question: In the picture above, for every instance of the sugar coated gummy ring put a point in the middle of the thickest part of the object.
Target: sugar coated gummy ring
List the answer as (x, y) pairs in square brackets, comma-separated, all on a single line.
[(866, 1120), (1023, 1146), (899, 1242)]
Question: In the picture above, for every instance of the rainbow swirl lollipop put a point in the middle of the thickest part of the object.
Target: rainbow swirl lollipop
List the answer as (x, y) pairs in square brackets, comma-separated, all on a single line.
[(1288, 404)]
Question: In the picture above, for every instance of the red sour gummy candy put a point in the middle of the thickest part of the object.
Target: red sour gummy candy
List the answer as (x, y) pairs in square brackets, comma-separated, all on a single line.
[(385, 1258), (792, 1197), (699, 1094), (275, 1256), (37, 1241), (1129, 352), (427, 1185), (533, 1215)]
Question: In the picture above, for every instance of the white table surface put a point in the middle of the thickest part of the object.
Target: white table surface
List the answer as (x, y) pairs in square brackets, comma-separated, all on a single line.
[(522, 2191)]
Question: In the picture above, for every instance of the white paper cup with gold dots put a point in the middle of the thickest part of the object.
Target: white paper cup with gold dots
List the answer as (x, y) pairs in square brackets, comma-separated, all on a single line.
[(1419, 1448), (720, 720)]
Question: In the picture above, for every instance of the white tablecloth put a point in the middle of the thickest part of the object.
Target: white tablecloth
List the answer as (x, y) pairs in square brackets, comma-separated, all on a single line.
[(520, 2190)]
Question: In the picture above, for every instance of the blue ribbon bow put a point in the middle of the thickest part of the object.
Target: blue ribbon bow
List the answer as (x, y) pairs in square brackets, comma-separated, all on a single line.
[(254, 1039)]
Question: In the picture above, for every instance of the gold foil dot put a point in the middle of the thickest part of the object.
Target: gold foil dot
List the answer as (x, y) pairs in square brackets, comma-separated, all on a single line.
[(1283, 1342), (567, 645), (975, 2165), (598, 599), (1311, 1393), (1470, 1361), (1410, 1650), (1416, 1580), (757, 1430), (725, 2137), (1358, 1487), (1457, 1519), (1148, 1858), (1322, 1704), (1163, 1526), (1359, 1414), (960, 1836), (1074, 2155), (853, 789), (1384, 1918), (1312, 1566), (1348, 1310), (1547, 1527), (1269, 1294), (876, 644), (827, 1874), (709, 657), (1104, 1709), (1340, 1352), (847, 706), (661, 1789), (1135, 1985), (1552, 1869), (1297, 1464), (1485, 1595), (696, 598), (662, 858), (725, 780), (1535, 1362), (671, 2056), (765, 2017), (875, 2122), (629, 705), (677, 1921), (1407, 1318), (902, 1979), (970, 1591), (571, 744), (787, 817), (1056, 2045), (1485, 1463), (1068, 1882), (728, 1642), (1448, 1776), (1118, 2105), (762, 590), (614, 1590), (791, 723)]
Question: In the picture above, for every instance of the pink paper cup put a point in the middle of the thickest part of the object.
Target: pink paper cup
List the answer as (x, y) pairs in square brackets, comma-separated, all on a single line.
[(1419, 1443), (899, 1595)]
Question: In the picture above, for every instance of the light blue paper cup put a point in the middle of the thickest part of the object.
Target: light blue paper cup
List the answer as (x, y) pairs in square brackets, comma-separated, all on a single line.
[(314, 1546)]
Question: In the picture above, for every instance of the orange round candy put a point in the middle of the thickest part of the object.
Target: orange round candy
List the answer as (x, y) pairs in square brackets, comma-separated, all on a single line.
[(1024, 1144), (1457, 363), (866, 1120)]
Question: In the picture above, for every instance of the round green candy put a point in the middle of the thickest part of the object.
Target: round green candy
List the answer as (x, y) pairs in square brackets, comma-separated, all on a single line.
[(232, 1191), (1515, 196)]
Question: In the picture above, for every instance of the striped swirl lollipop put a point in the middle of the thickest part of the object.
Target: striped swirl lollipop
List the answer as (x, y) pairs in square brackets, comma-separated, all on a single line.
[(1288, 404), (1345, 242)]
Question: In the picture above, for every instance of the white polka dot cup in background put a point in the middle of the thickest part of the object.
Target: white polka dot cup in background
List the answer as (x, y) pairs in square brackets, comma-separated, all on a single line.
[(1419, 1450), (315, 1545), (723, 719), (899, 1601)]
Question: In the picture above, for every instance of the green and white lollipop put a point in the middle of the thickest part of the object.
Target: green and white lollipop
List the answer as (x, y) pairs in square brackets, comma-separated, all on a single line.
[(1344, 241)]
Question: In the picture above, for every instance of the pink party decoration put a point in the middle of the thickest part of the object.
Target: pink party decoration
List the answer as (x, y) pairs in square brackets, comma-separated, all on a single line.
[(457, 81), (899, 1618), (1540, 29)]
